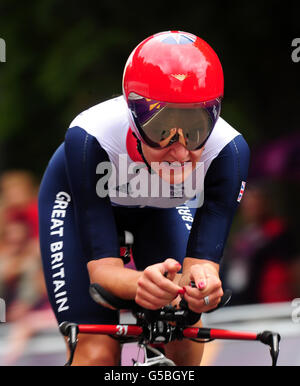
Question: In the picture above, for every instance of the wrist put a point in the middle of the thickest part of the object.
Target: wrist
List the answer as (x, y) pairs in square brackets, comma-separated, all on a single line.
[(111, 274), (188, 262)]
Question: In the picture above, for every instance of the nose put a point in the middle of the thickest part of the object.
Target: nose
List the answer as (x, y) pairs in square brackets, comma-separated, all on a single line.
[(179, 152)]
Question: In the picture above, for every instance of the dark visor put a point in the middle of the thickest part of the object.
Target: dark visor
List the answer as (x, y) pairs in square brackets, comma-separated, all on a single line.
[(160, 124)]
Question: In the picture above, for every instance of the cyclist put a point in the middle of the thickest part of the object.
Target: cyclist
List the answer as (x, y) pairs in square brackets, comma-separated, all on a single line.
[(112, 172)]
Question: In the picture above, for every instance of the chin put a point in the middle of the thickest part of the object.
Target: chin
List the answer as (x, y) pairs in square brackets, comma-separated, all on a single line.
[(175, 175)]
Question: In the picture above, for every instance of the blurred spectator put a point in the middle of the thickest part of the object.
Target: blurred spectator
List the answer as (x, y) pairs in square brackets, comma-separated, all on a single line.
[(261, 264), (22, 283), (18, 198), (19, 257), (31, 313), (20, 264), (278, 159)]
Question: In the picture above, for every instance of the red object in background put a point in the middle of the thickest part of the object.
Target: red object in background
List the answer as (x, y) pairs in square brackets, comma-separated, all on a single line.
[(131, 262), (274, 227), (28, 214), (273, 287), (31, 213)]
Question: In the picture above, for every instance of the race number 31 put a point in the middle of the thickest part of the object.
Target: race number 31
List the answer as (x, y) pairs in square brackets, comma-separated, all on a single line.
[(122, 330)]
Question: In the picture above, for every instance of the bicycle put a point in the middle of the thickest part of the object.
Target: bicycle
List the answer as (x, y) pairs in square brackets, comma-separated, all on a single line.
[(159, 326)]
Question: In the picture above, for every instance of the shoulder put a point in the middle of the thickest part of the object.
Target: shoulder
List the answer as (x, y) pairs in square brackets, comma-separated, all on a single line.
[(108, 123), (223, 134), (103, 117)]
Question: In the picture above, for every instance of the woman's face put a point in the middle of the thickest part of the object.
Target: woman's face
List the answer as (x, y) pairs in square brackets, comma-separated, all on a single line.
[(173, 163)]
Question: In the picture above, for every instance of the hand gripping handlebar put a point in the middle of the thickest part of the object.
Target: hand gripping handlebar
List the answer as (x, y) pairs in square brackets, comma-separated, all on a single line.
[(154, 326)]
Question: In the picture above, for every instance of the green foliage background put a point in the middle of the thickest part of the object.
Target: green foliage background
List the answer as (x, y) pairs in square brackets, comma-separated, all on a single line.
[(64, 56)]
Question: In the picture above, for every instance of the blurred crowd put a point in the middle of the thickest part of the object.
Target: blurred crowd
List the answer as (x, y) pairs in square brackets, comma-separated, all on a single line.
[(262, 260), (21, 276), (21, 284), (261, 263)]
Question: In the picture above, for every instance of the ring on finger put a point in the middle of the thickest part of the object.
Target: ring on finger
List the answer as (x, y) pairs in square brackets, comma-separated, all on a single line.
[(206, 300)]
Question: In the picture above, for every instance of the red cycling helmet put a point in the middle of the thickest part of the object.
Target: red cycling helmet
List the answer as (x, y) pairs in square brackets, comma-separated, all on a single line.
[(173, 84)]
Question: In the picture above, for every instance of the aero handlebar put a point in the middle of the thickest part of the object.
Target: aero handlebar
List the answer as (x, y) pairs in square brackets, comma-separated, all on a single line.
[(155, 326)]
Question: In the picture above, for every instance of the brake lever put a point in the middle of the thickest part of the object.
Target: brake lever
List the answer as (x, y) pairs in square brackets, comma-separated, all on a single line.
[(272, 339), (70, 330)]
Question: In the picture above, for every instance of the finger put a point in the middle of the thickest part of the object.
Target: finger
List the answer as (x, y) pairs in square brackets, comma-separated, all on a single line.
[(156, 276), (213, 297), (148, 300), (214, 286), (199, 305), (148, 292), (199, 276), (171, 267), (152, 288), (145, 303), (203, 274)]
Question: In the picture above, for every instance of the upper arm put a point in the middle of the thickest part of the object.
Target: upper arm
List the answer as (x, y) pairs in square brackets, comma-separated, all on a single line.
[(221, 191), (94, 215)]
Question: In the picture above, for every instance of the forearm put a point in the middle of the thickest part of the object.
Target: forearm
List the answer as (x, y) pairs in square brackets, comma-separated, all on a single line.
[(111, 274), (150, 288)]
